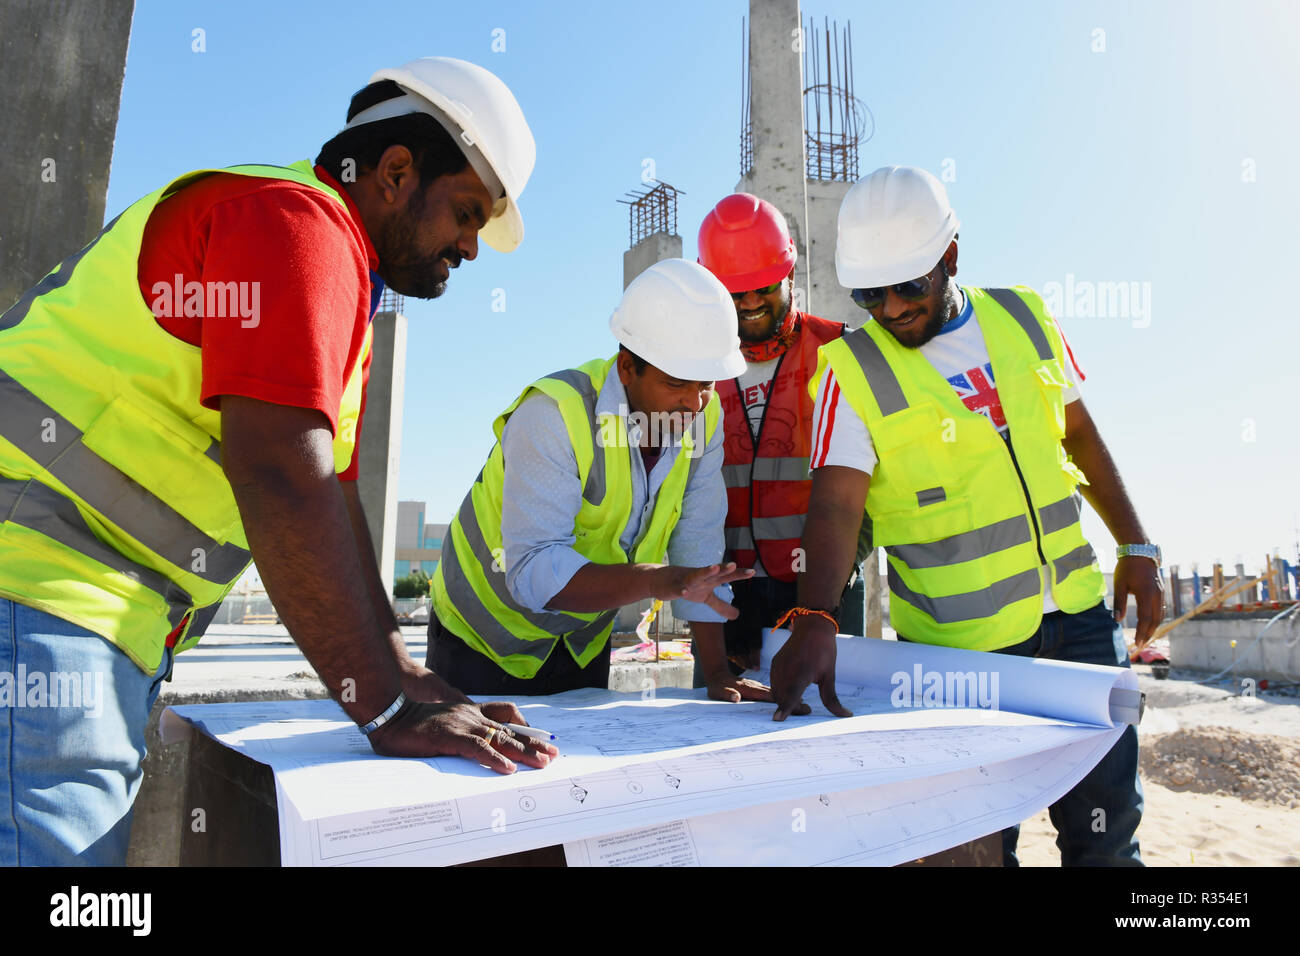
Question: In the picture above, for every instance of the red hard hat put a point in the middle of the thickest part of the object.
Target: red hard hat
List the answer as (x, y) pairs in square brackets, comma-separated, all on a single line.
[(745, 243)]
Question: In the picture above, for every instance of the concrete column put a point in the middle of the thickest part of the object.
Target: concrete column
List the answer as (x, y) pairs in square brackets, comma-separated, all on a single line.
[(63, 65), (1248, 595), (776, 123), (832, 299), (381, 438), (653, 248)]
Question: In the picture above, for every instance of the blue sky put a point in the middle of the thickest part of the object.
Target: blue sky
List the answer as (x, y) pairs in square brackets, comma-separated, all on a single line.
[(1164, 160)]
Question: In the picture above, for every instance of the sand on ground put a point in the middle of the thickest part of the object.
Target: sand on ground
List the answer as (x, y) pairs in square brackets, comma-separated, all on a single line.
[(1221, 774)]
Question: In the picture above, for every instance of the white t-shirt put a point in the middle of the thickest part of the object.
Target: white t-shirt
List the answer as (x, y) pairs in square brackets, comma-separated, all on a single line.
[(959, 354), (754, 383)]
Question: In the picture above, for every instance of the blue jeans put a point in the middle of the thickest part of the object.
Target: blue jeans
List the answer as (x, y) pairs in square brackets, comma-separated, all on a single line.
[(1084, 836), (73, 710)]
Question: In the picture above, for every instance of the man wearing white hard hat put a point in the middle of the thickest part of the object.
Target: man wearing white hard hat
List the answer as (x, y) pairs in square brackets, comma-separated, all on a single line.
[(604, 488), (183, 396), (953, 419)]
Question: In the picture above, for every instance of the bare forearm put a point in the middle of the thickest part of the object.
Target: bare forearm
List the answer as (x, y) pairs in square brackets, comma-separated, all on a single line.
[(830, 535), (379, 603), (709, 647), (1105, 490), (305, 552), (599, 587), (280, 465)]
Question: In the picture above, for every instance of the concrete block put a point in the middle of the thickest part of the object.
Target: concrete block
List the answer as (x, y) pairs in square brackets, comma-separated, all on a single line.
[(159, 806), (653, 248), (639, 677), (1206, 645)]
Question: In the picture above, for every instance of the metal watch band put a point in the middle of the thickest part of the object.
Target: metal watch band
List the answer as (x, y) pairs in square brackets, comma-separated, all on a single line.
[(1140, 551), (385, 717)]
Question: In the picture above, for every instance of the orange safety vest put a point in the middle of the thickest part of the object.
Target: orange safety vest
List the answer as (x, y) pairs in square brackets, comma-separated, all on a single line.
[(768, 488)]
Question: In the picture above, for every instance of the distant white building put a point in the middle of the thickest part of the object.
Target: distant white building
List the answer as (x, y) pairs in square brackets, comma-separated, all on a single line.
[(419, 545)]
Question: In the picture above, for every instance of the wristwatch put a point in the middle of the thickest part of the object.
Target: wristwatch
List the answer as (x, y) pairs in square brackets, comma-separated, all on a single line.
[(1141, 551)]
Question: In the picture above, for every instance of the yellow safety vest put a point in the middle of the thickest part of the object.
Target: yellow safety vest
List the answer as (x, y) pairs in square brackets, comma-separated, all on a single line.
[(470, 595), (966, 526), (116, 513)]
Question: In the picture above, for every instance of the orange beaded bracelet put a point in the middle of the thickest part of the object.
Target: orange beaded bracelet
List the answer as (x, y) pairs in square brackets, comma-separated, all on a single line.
[(804, 611)]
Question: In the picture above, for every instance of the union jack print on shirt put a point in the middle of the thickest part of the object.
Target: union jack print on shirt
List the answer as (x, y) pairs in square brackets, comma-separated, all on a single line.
[(978, 391)]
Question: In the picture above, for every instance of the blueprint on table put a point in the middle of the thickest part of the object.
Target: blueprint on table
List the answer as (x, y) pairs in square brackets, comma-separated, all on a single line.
[(631, 762)]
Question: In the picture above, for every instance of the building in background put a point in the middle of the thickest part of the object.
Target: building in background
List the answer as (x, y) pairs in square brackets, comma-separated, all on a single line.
[(419, 545)]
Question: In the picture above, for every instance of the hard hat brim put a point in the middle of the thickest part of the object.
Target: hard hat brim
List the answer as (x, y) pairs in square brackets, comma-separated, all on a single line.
[(759, 279), (504, 232), (853, 274), (701, 370), (864, 277)]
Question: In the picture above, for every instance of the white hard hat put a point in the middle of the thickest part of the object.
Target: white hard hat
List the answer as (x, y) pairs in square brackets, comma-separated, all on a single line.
[(894, 225), (484, 116), (678, 317)]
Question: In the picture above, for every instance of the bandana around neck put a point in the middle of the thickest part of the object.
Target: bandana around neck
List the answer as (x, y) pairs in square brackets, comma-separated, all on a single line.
[(775, 346)]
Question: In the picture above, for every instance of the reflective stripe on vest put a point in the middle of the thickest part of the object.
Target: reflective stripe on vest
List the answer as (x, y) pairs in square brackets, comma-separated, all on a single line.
[(555, 622), (739, 539), (766, 469), (1081, 557), (880, 377), (1019, 310), (471, 597), (973, 605), (32, 505), (558, 622), (943, 468), (593, 489), (966, 546), (1060, 514), (116, 513), (54, 443)]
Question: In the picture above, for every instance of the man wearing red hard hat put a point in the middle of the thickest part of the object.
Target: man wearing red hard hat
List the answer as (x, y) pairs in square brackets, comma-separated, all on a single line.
[(745, 242)]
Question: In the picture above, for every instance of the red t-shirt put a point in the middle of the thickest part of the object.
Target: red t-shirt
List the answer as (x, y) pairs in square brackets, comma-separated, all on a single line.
[(301, 264)]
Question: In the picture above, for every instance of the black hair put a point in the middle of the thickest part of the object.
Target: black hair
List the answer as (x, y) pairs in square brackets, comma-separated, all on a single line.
[(637, 361), (434, 149)]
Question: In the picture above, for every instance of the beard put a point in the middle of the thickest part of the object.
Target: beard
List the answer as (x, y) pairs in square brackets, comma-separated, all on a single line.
[(930, 322), (749, 332), (402, 266)]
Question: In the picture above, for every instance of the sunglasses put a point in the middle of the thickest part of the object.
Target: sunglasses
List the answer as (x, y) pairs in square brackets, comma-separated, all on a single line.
[(766, 290), (913, 290)]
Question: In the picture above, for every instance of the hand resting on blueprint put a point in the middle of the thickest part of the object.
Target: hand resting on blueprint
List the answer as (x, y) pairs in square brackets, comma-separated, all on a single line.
[(726, 686), (459, 730)]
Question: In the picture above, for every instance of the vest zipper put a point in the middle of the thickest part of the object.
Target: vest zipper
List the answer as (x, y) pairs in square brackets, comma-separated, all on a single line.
[(1033, 517)]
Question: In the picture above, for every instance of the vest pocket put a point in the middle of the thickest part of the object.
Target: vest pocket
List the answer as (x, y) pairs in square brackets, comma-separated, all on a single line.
[(915, 451), (1050, 380), (167, 463), (922, 523)]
